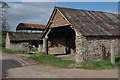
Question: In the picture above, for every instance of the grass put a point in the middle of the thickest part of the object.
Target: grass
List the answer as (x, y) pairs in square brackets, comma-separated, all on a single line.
[(51, 60), (58, 62), (65, 58), (13, 51), (91, 64), (102, 64)]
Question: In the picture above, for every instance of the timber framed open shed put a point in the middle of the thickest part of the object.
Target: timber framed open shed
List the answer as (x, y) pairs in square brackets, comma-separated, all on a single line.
[(88, 34)]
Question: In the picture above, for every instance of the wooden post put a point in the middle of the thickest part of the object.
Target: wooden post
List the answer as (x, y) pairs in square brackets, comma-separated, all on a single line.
[(112, 53), (45, 45), (40, 48), (103, 52), (28, 49)]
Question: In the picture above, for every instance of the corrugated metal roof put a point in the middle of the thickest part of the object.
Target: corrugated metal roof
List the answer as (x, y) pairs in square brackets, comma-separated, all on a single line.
[(92, 23), (26, 26), (22, 36)]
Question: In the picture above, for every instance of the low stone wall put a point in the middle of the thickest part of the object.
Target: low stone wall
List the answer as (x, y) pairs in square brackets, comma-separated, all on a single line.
[(19, 46), (93, 47)]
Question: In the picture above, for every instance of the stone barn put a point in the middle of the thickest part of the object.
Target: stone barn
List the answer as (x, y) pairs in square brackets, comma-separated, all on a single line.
[(87, 34), (22, 41)]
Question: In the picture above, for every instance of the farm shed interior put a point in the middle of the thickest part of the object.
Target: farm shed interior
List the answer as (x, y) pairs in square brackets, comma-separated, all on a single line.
[(62, 40), (89, 32)]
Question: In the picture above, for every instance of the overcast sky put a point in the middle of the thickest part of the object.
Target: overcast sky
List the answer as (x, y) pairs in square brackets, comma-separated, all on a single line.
[(39, 12)]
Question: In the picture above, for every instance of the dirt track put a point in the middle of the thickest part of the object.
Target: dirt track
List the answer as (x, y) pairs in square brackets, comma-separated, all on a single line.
[(17, 66)]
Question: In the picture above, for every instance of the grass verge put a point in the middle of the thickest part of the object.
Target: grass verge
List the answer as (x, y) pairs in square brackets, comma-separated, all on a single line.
[(58, 62), (13, 51), (102, 64), (52, 60)]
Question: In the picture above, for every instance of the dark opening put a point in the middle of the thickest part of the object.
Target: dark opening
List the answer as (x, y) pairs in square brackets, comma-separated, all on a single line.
[(63, 37), (31, 42)]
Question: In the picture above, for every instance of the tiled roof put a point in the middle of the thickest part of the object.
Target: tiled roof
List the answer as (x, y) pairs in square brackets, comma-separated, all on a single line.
[(22, 36), (92, 23)]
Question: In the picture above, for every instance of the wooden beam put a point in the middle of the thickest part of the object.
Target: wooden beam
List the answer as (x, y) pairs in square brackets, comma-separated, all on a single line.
[(57, 20)]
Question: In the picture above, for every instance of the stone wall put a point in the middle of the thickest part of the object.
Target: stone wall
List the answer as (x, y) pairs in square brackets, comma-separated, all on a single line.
[(19, 46), (94, 47), (15, 46)]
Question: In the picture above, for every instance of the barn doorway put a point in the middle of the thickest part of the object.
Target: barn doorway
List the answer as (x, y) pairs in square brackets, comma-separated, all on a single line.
[(61, 40)]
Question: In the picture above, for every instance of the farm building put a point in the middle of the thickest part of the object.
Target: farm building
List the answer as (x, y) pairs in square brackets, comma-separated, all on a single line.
[(26, 27), (87, 34), (23, 41), (26, 37)]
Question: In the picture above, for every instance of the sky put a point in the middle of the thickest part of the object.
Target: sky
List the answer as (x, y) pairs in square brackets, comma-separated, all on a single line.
[(39, 12), (61, 0)]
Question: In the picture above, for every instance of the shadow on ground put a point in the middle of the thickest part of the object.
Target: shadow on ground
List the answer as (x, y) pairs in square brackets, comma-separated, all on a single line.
[(9, 64)]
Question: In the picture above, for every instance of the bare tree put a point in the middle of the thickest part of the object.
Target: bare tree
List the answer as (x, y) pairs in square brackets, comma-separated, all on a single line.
[(3, 21)]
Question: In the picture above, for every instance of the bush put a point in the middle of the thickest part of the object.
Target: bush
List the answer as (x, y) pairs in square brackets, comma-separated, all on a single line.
[(117, 58)]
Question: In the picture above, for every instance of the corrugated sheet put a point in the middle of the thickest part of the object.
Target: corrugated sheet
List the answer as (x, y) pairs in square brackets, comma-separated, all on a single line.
[(26, 26), (92, 23), (22, 36)]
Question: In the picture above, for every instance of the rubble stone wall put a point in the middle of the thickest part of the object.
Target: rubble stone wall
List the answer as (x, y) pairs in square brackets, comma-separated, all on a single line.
[(93, 47), (19, 46)]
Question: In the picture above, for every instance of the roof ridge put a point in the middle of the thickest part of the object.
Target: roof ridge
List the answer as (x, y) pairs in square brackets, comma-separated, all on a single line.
[(84, 10), (33, 24), (75, 9)]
